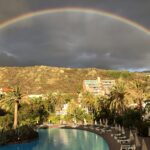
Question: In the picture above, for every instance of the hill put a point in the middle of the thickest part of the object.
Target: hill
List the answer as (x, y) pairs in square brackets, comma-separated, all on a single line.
[(42, 79), (147, 71)]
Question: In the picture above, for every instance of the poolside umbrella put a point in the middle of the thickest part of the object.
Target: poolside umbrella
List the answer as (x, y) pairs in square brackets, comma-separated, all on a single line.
[(144, 146), (75, 121), (114, 122), (106, 123), (95, 122), (119, 128), (131, 136), (123, 130), (137, 142), (100, 123), (116, 127), (85, 123)]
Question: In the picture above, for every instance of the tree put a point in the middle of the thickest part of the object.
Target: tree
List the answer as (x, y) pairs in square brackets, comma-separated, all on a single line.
[(59, 101), (76, 112), (117, 98), (42, 113), (141, 87), (89, 101), (16, 97), (102, 107), (51, 102), (13, 97), (131, 118)]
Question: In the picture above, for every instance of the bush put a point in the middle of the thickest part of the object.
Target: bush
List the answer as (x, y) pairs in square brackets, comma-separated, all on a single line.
[(118, 74), (55, 119), (143, 128), (131, 118), (119, 120), (21, 134), (6, 121)]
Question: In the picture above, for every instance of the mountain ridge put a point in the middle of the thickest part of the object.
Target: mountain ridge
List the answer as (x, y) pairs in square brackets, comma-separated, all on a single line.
[(42, 79)]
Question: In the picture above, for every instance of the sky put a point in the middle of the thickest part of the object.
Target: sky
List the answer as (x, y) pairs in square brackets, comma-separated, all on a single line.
[(79, 33)]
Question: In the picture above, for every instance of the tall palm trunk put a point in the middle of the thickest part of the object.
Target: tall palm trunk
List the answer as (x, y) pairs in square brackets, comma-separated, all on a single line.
[(16, 115)]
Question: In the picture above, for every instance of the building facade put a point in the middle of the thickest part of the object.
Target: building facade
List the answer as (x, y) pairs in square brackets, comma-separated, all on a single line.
[(98, 86)]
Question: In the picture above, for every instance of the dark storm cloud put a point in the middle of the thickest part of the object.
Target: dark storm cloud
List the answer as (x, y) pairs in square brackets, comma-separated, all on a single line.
[(136, 10), (81, 40), (7, 59), (75, 40)]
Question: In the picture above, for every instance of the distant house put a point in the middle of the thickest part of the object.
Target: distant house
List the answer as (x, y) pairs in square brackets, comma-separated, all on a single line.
[(35, 96), (4, 91), (63, 111), (98, 86), (107, 84)]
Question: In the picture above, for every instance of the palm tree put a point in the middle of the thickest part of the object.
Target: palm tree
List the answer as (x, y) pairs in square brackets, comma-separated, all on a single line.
[(75, 112), (102, 102), (59, 97), (89, 101), (102, 107), (13, 97), (117, 98), (142, 88), (51, 102), (16, 98)]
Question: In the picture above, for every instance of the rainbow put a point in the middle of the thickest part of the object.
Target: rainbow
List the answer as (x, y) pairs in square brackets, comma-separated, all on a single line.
[(76, 9)]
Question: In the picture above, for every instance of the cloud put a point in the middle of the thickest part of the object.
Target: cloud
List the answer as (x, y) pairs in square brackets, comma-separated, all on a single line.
[(135, 10), (6, 59), (75, 40)]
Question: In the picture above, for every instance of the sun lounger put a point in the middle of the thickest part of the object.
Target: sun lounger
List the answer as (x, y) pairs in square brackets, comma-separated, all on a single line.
[(104, 130), (122, 137), (119, 136), (97, 129), (127, 147), (116, 134), (124, 141), (91, 127), (112, 127)]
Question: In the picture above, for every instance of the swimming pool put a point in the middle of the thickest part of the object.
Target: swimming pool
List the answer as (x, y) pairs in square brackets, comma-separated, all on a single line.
[(62, 139)]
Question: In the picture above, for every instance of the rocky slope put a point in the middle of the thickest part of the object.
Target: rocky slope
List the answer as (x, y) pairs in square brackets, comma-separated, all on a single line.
[(42, 79)]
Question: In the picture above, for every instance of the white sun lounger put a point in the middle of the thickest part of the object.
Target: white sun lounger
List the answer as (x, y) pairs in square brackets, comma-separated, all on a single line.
[(128, 147), (123, 141)]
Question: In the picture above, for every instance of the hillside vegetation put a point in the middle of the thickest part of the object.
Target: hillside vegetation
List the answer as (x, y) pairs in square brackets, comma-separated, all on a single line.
[(42, 79), (17, 109)]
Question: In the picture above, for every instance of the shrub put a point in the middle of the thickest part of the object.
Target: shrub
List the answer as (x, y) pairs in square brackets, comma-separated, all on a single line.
[(54, 118), (131, 118), (119, 120), (143, 128)]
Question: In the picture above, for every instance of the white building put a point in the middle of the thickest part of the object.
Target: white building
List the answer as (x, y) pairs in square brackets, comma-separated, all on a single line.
[(98, 86)]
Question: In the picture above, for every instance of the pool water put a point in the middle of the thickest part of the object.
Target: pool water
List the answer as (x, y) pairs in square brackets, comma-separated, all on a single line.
[(62, 139)]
